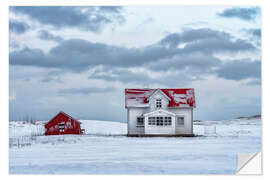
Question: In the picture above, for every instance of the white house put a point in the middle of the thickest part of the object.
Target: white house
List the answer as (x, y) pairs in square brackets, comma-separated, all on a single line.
[(154, 112)]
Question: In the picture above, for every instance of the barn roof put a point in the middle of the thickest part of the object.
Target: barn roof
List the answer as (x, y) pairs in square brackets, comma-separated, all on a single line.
[(177, 97), (65, 114)]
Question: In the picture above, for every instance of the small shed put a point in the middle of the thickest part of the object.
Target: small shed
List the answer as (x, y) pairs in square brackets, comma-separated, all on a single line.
[(62, 123)]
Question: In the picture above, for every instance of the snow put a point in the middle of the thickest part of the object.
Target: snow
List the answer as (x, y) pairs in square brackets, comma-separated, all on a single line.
[(105, 150), (137, 97), (97, 127), (21, 128)]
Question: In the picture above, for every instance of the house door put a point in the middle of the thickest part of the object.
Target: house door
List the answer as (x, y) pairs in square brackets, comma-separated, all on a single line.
[(179, 123)]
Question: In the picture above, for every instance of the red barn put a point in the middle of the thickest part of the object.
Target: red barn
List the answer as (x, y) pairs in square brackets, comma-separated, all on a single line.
[(62, 123)]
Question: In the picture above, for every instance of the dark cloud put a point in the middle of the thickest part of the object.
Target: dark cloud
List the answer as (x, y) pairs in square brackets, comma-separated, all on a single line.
[(45, 35), (30, 57), (141, 77), (110, 9), (79, 55), (240, 69), (18, 27), (85, 91), (255, 32), (246, 14), (121, 75), (206, 40), (193, 35), (192, 63), (86, 18), (254, 35)]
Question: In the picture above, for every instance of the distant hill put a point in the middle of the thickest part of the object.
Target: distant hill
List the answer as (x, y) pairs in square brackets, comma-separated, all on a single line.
[(249, 117)]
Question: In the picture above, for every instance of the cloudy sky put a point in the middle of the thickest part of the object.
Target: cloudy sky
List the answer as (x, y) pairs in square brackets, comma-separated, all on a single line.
[(80, 59)]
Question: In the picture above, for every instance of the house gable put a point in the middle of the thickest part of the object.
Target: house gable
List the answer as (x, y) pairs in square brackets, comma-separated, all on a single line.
[(158, 95)]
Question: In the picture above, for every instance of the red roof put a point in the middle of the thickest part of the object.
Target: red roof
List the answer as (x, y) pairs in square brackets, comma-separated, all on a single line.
[(64, 114), (178, 97)]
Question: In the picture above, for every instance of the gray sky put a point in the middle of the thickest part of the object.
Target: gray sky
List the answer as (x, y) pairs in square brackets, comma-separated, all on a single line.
[(80, 59)]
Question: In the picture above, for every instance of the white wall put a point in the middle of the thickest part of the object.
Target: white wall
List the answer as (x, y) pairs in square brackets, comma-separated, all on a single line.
[(133, 113), (187, 128), (154, 97)]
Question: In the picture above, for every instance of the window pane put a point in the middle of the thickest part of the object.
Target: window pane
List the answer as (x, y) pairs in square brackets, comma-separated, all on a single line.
[(158, 121), (140, 121), (158, 103), (180, 120)]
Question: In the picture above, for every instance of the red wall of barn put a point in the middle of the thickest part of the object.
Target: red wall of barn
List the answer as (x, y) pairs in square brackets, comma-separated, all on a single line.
[(71, 126)]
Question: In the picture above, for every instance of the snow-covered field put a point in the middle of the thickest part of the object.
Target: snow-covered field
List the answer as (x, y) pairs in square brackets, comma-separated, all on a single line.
[(102, 150)]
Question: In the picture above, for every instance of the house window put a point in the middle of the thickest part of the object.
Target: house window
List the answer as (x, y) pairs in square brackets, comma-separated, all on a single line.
[(167, 121), (152, 121), (140, 121), (180, 120), (158, 103), (159, 121), (61, 127)]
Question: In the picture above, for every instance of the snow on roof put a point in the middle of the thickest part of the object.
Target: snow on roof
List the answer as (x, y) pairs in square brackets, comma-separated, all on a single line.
[(178, 97)]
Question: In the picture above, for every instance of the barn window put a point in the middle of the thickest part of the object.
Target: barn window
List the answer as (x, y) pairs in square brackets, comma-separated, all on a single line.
[(180, 120), (61, 127), (140, 121), (158, 103)]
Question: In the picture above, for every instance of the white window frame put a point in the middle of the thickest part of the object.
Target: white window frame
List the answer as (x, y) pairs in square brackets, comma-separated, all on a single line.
[(160, 121), (61, 127), (152, 121), (182, 119), (167, 121), (158, 103)]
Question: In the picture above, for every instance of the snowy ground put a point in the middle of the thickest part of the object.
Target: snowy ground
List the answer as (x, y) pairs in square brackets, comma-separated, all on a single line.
[(100, 152)]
